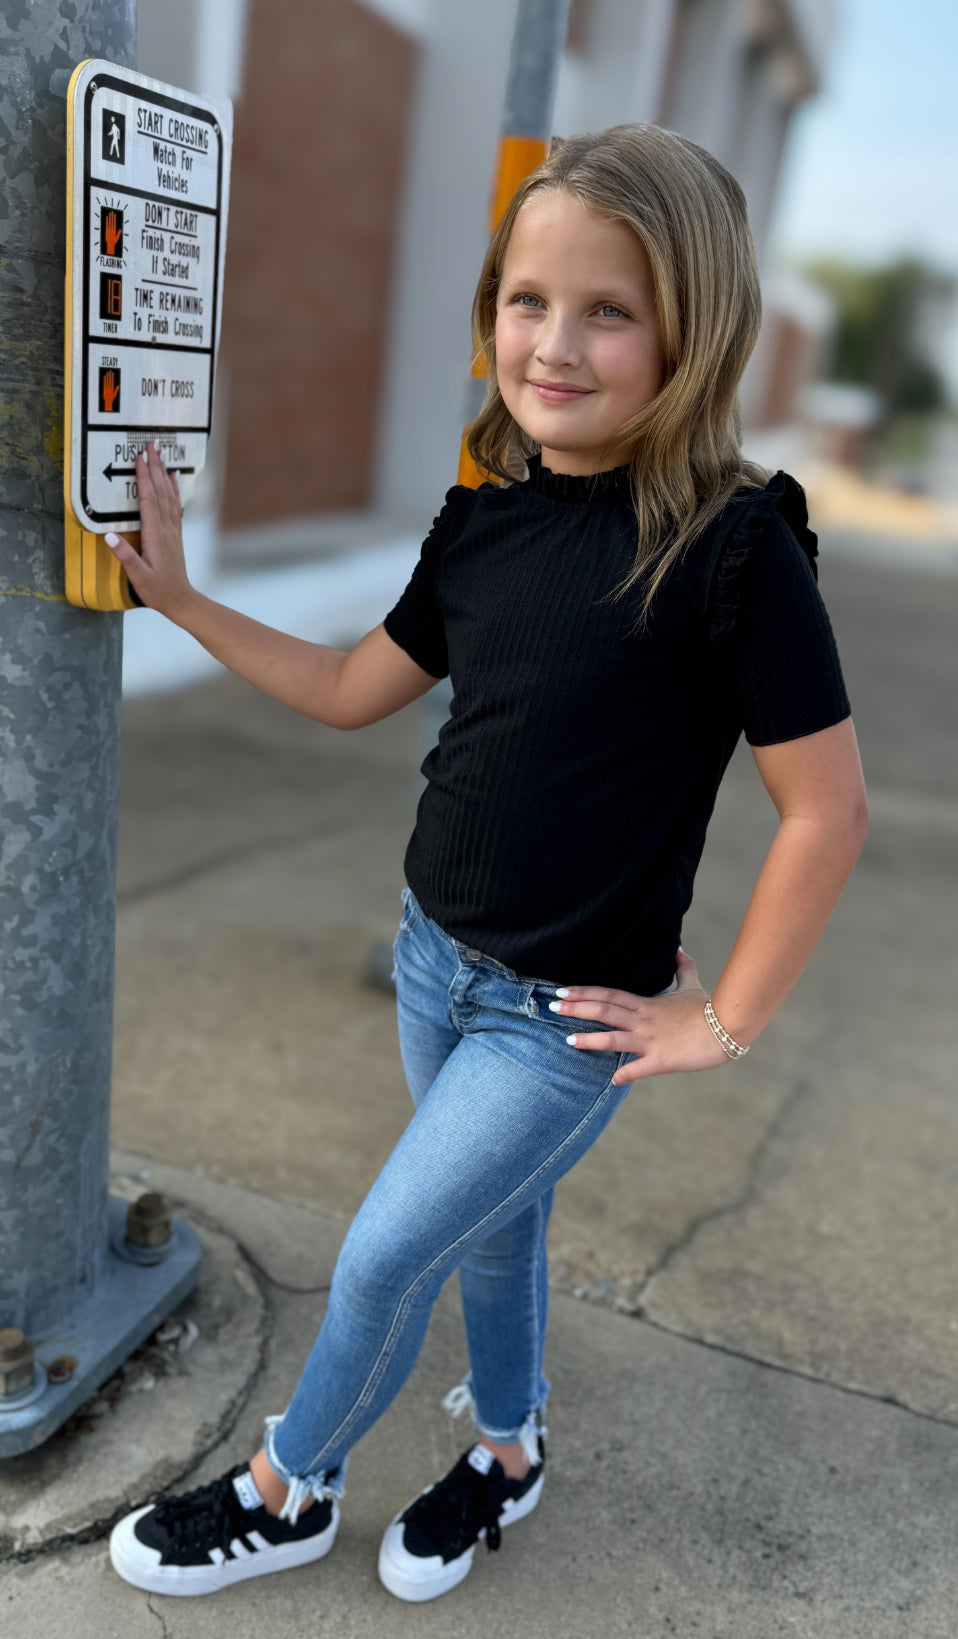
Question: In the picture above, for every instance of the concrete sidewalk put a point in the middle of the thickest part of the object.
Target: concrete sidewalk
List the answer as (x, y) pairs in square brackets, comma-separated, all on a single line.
[(749, 1266), (691, 1492)]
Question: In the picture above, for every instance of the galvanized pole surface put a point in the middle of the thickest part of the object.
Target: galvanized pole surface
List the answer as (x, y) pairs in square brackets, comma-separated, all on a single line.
[(59, 756), (534, 62), (540, 34)]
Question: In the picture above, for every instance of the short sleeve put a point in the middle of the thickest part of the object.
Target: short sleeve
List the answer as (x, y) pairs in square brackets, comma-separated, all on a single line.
[(770, 630), (416, 622)]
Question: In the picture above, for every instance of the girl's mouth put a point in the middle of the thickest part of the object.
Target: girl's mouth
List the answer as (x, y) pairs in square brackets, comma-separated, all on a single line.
[(558, 392)]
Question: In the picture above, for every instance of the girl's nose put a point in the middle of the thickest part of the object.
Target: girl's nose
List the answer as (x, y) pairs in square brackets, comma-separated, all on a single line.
[(556, 343)]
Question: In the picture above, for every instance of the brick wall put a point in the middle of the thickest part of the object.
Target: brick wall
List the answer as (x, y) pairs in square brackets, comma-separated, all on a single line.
[(318, 158)]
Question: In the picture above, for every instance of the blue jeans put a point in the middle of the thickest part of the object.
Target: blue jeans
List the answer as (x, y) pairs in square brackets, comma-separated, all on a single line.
[(504, 1107)]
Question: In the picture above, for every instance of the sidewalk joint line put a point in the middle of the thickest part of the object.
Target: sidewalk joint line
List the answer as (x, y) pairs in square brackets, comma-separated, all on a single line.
[(794, 1371), (209, 866)]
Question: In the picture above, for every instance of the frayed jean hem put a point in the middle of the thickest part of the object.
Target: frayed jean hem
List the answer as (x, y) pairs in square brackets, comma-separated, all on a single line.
[(301, 1486), (528, 1434)]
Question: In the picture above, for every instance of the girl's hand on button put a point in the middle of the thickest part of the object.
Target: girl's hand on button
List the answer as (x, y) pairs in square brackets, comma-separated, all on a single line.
[(158, 571), (666, 1033)]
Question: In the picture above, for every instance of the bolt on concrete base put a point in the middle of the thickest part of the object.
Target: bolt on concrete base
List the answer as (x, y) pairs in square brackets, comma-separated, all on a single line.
[(16, 1364), (127, 1304), (145, 1429)]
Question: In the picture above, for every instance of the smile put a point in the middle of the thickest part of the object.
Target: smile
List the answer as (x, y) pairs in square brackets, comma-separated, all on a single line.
[(557, 392)]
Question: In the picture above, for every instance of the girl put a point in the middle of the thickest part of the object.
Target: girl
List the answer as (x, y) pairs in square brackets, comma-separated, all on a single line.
[(611, 621)]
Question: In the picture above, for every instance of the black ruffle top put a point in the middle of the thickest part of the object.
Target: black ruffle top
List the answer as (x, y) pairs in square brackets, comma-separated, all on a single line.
[(569, 793)]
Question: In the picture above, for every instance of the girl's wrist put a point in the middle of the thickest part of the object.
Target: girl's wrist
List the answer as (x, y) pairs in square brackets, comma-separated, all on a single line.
[(730, 1047), (185, 608), (740, 1023)]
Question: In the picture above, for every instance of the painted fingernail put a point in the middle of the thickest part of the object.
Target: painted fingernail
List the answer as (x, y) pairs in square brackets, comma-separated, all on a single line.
[(112, 540), (571, 1040), (555, 1007), (561, 990), (156, 445)]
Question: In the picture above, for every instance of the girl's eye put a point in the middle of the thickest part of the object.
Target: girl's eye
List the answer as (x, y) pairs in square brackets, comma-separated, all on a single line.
[(608, 310), (525, 298)]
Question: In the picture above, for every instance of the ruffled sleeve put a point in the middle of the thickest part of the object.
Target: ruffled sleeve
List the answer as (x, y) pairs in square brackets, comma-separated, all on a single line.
[(415, 623), (769, 633), (749, 525)]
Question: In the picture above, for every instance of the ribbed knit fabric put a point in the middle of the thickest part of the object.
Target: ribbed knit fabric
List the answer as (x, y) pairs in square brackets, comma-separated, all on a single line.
[(570, 789)]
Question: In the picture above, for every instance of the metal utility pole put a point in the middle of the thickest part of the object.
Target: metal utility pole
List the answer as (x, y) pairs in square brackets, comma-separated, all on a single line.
[(537, 44), (80, 1285)]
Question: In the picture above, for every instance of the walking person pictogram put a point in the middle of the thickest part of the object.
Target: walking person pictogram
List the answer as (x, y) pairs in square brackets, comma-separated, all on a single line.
[(113, 145)]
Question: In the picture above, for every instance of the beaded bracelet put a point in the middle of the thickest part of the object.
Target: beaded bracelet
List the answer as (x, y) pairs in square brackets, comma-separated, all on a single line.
[(731, 1048)]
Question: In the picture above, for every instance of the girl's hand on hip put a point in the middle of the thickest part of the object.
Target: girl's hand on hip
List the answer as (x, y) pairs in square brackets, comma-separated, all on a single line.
[(666, 1033), (158, 571)]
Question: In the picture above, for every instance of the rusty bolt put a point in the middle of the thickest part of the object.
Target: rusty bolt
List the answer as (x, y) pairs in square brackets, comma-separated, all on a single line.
[(16, 1361), (148, 1221), (61, 1369)]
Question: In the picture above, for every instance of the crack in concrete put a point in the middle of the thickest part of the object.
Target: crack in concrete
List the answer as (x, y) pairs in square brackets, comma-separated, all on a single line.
[(748, 1193), (199, 1215), (796, 1094), (159, 1617)]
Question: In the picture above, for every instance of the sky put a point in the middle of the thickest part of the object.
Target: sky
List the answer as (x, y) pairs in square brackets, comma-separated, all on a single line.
[(871, 168)]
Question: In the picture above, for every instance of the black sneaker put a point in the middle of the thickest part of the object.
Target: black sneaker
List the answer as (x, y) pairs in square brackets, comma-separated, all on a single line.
[(428, 1549), (207, 1539)]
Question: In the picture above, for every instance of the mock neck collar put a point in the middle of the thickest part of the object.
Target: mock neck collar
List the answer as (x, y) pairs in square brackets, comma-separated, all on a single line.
[(616, 484)]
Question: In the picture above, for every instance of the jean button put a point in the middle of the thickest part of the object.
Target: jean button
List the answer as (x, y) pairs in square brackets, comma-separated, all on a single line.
[(474, 955)]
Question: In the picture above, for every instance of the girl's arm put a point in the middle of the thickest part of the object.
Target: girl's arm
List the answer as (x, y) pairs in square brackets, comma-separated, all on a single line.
[(816, 784), (345, 690)]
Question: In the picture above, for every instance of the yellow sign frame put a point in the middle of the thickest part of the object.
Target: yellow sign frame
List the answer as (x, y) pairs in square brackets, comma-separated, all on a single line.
[(94, 579)]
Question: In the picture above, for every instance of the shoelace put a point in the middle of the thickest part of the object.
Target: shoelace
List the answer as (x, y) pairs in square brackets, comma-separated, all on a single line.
[(204, 1517), (460, 1507)]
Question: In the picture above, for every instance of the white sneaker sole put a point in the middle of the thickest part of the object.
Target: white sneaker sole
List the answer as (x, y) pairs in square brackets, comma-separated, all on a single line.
[(141, 1567), (416, 1580)]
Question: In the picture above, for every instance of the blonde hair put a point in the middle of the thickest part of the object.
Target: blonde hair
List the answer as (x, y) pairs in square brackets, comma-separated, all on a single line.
[(685, 444)]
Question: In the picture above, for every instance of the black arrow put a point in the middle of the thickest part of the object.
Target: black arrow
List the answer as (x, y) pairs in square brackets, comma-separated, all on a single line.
[(112, 472)]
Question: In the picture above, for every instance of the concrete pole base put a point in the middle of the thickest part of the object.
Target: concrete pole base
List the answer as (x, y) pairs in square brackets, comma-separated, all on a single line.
[(129, 1302)]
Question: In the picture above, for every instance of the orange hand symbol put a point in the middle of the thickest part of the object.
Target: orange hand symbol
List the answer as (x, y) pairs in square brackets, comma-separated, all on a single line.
[(111, 387), (112, 233)]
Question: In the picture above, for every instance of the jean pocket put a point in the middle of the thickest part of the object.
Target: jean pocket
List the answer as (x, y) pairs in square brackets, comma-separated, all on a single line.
[(536, 1005), (412, 913)]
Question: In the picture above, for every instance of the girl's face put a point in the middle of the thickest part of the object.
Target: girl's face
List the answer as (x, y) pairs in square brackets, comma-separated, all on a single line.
[(577, 342)]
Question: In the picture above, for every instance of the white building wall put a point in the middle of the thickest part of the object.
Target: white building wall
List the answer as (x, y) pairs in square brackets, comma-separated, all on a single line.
[(465, 59), (705, 94), (618, 76)]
